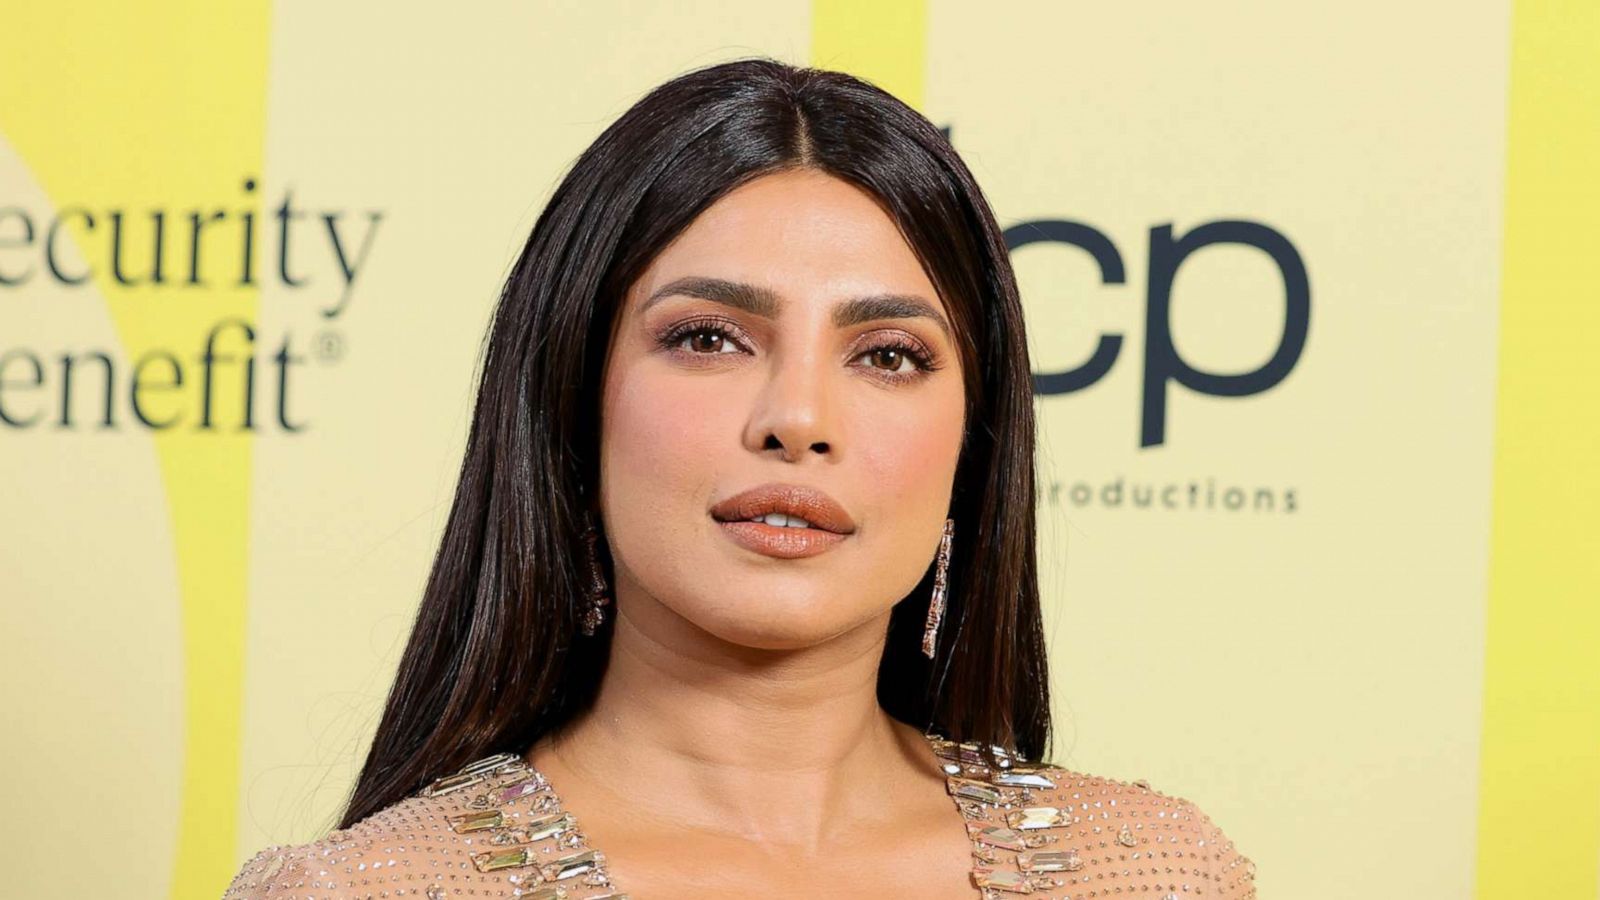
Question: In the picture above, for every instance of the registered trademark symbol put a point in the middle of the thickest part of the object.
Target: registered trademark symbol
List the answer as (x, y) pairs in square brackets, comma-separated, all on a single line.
[(328, 345)]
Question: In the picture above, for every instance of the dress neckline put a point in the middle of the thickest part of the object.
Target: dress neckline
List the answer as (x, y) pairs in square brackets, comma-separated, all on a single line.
[(529, 827)]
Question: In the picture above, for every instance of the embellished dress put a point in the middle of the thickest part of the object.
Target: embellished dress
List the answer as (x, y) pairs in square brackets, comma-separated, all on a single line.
[(496, 828)]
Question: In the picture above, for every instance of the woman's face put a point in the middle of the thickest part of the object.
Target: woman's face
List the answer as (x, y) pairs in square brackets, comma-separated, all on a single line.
[(734, 365)]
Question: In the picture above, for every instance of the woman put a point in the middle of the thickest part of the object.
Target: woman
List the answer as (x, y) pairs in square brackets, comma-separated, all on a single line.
[(737, 596)]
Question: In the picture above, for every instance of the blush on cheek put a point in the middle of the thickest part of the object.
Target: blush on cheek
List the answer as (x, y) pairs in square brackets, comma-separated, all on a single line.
[(909, 473), (908, 449), (666, 428), (906, 468)]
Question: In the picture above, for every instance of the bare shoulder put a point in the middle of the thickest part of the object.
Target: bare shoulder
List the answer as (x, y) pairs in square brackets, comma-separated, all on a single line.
[(1145, 840), (492, 828)]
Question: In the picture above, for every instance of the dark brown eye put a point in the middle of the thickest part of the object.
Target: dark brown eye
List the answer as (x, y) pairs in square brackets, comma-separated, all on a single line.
[(702, 340), (891, 355), (888, 358), (709, 341)]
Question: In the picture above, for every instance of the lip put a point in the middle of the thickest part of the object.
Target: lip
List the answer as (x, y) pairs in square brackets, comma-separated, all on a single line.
[(830, 523)]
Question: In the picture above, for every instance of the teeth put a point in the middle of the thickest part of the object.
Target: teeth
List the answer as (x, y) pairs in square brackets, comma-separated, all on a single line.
[(782, 520)]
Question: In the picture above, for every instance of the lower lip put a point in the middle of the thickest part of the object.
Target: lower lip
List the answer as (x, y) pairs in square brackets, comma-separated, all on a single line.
[(780, 541)]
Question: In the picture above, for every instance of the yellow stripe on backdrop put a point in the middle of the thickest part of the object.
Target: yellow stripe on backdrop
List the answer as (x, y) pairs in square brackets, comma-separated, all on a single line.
[(170, 98), (1539, 816), (883, 41)]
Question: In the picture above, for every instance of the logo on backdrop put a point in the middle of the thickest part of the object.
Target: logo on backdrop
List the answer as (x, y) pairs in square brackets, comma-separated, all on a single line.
[(1163, 368), (172, 254)]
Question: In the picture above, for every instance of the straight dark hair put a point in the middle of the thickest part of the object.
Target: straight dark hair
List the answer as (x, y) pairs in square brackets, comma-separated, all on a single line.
[(495, 659)]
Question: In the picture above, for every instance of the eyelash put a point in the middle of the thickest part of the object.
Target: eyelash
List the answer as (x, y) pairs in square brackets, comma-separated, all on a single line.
[(920, 358)]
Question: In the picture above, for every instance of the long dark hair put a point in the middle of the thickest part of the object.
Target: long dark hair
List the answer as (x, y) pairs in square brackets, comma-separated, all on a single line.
[(495, 659)]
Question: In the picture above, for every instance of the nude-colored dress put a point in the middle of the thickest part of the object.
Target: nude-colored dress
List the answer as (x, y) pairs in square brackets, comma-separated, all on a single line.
[(497, 829)]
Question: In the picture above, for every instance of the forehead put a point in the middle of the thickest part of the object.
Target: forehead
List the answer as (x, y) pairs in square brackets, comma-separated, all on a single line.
[(809, 237)]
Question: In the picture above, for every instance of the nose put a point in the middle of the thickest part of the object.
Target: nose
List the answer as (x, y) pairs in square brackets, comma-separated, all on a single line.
[(793, 412)]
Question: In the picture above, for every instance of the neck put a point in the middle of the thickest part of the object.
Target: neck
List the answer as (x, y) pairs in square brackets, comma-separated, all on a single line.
[(775, 745)]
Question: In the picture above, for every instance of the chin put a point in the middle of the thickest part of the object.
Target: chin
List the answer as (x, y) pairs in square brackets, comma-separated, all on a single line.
[(774, 627)]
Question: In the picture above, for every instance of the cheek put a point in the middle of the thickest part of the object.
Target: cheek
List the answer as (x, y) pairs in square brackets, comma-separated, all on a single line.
[(659, 442), (907, 453)]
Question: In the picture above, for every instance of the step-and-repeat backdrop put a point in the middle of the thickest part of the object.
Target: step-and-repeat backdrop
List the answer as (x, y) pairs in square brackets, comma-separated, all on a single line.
[(1305, 295)]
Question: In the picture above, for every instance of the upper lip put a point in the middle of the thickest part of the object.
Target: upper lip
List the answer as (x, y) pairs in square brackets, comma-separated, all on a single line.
[(807, 503)]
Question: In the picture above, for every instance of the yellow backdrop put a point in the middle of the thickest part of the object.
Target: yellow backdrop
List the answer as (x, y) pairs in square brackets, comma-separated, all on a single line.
[(1361, 571)]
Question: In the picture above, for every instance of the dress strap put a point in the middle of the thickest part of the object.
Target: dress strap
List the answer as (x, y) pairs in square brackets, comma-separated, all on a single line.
[(995, 792), (511, 809)]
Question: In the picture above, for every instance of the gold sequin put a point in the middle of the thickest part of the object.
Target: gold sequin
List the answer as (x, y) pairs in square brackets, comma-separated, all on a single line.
[(1036, 829)]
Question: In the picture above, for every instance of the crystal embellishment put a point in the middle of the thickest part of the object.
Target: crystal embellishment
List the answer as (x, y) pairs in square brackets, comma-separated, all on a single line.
[(520, 789), (1001, 880), (477, 821), (571, 864), (491, 860), (1024, 779), (548, 825), (977, 791), (991, 787), (450, 784), (488, 764), (996, 836), (1035, 817), (1047, 860)]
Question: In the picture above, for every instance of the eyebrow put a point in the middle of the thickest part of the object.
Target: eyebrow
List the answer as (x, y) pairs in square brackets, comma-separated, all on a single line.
[(764, 302)]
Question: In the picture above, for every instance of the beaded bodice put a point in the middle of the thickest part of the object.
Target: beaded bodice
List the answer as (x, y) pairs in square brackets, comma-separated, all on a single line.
[(496, 828)]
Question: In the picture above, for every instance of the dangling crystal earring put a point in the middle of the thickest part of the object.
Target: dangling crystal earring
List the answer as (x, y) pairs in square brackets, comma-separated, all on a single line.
[(930, 633), (594, 613)]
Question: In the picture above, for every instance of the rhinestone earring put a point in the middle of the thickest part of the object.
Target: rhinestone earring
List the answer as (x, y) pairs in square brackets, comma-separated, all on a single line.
[(930, 633), (594, 612)]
